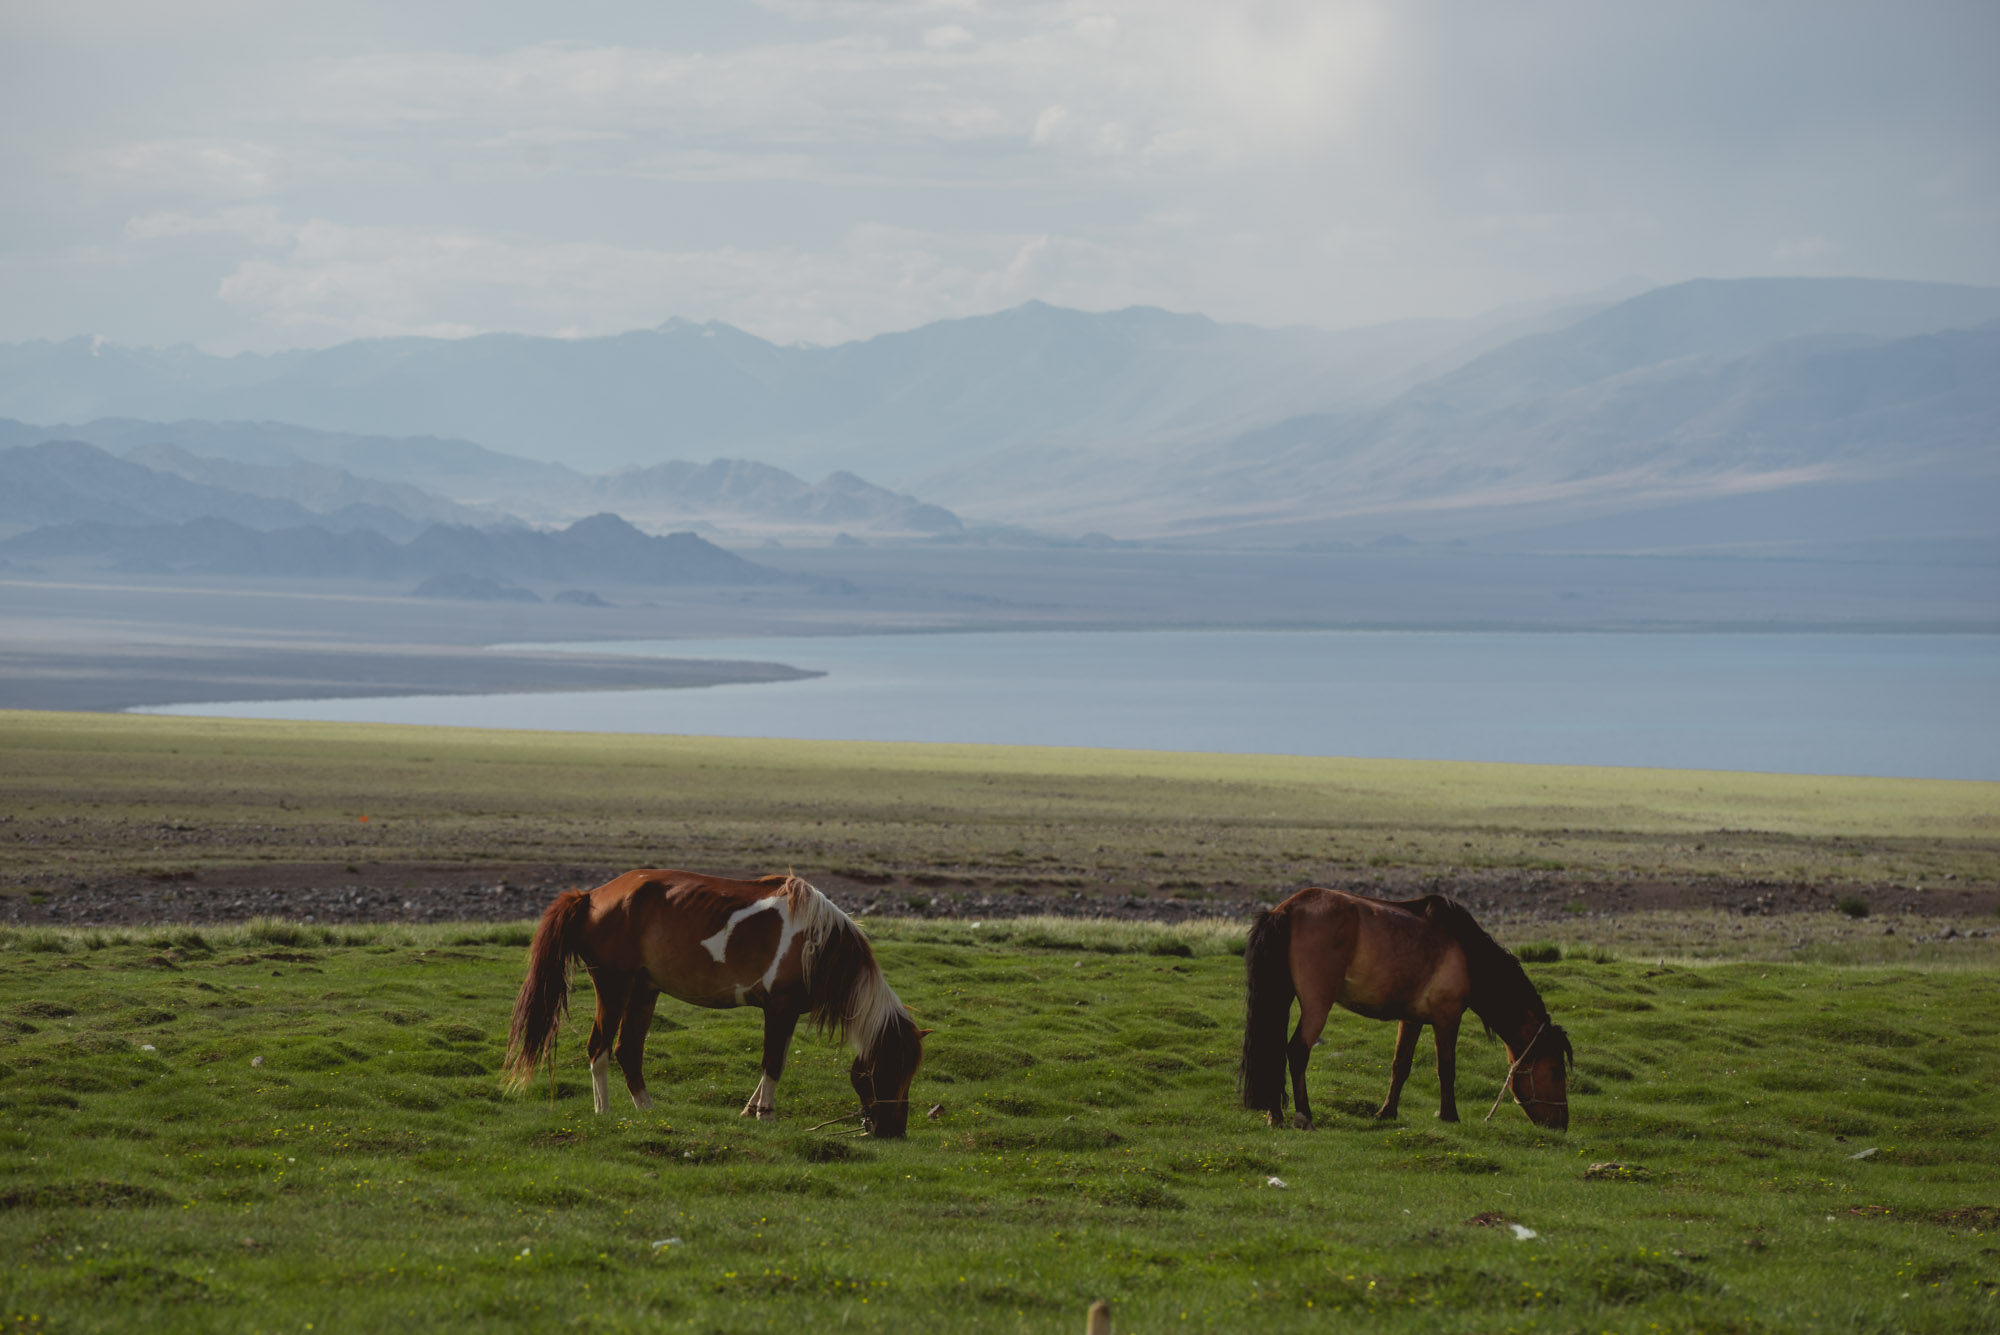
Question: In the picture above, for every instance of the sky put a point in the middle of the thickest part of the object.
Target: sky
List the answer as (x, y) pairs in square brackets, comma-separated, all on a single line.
[(254, 176)]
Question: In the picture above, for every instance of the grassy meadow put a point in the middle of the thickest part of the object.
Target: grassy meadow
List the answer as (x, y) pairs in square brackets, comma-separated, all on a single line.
[(284, 1127), (85, 795)]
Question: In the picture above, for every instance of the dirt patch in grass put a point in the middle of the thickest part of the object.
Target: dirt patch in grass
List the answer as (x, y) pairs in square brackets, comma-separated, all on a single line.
[(442, 892)]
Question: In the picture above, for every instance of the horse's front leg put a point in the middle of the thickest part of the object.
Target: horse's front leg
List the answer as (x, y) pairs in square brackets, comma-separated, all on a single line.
[(1407, 1034), (1444, 1031), (1312, 1020), (778, 1027)]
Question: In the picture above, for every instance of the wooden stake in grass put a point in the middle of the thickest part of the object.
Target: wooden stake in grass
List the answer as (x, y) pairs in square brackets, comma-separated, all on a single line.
[(1099, 1321)]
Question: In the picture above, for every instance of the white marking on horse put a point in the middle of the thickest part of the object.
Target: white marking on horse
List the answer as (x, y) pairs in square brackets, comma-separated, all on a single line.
[(763, 1102), (718, 945), (600, 1085)]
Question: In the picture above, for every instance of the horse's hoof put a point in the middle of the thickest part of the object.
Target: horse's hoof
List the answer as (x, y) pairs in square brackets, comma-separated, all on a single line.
[(1447, 1116), (767, 1114), (1273, 1119), (1385, 1114), (1302, 1122), (642, 1101)]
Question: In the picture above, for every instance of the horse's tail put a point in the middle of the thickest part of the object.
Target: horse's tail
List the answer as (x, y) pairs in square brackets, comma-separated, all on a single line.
[(544, 999), (1267, 1008)]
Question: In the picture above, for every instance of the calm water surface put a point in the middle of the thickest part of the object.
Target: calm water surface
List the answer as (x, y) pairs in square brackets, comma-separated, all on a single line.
[(1918, 705)]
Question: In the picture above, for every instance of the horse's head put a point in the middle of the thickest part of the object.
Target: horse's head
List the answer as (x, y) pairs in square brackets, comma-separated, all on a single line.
[(882, 1075), (1541, 1059)]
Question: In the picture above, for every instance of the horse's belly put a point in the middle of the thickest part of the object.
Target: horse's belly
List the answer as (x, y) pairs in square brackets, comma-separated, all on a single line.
[(719, 995), (1375, 1010)]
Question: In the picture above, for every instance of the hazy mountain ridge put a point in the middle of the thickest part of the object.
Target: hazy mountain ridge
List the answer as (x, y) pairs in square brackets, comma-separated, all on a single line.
[(65, 480), (1705, 318), (458, 470), (241, 461), (1147, 424), (1806, 410), (318, 488), (744, 488), (891, 407), (602, 548), (1581, 420)]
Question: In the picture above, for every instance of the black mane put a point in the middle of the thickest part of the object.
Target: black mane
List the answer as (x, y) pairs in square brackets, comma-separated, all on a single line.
[(1501, 992)]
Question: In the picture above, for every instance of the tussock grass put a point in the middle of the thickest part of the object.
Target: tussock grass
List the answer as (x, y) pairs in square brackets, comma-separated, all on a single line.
[(262, 1126), (1104, 936), (264, 932)]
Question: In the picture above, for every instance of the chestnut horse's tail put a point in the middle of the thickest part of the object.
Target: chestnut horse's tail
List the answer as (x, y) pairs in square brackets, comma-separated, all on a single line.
[(1267, 1009), (544, 999)]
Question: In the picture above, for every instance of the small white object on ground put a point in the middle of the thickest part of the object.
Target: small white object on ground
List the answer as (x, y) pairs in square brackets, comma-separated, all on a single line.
[(256, 1061), (666, 1242), (1862, 1154), (1522, 1232), (1277, 1182), (147, 1047)]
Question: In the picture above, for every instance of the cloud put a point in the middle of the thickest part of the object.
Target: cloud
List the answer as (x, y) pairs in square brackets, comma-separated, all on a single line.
[(1247, 81), (1796, 251), (229, 167), (820, 168), (258, 224)]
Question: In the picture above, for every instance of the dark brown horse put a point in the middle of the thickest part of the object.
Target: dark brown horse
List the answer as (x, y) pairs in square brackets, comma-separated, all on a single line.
[(774, 943), (1417, 961)]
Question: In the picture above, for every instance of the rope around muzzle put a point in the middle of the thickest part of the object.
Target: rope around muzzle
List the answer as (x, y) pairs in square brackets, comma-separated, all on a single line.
[(1507, 1081)]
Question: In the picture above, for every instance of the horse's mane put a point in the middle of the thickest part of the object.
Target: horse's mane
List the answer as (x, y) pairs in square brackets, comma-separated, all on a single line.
[(845, 990), (1500, 987)]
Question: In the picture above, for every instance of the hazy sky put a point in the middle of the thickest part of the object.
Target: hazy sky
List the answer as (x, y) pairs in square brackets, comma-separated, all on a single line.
[(263, 175)]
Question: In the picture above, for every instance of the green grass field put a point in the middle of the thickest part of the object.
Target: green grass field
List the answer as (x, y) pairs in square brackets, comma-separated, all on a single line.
[(1804, 1147), (91, 794)]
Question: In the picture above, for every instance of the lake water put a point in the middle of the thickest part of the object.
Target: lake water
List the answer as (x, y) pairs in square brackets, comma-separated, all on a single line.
[(1916, 705)]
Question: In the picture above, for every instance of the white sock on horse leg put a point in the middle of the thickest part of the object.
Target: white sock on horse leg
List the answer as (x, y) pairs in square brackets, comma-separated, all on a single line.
[(600, 1081), (762, 1103)]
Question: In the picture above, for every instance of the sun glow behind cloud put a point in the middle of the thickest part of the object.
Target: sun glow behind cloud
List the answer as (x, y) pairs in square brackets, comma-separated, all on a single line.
[(825, 171)]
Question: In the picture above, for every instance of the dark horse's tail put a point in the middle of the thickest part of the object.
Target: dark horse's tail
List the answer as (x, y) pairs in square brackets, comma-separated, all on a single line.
[(1267, 1009), (544, 999)]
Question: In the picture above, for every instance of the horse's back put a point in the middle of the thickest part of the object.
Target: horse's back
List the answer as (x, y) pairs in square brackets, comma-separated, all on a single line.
[(1384, 959), (709, 940)]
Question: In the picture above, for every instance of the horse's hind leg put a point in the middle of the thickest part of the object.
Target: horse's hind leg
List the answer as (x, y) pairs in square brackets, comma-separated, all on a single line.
[(1407, 1034), (778, 1027), (612, 990), (639, 1004), (1312, 1019)]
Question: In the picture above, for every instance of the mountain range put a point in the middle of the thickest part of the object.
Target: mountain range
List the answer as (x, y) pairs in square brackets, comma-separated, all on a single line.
[(602, 549), (268, 476), (1698, 404)]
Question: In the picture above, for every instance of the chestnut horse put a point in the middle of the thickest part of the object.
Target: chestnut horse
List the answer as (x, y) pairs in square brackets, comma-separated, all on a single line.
[(774, 943), (1417, 961)]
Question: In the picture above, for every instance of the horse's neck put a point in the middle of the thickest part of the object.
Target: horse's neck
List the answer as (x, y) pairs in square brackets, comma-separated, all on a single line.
[(1512, 1016)]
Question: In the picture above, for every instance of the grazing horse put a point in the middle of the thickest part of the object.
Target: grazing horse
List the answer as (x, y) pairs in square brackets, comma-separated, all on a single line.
[(774, 943), (1417, 961)]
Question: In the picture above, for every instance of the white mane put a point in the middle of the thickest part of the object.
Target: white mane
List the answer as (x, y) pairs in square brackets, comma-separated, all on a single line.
[(873, 1003)]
